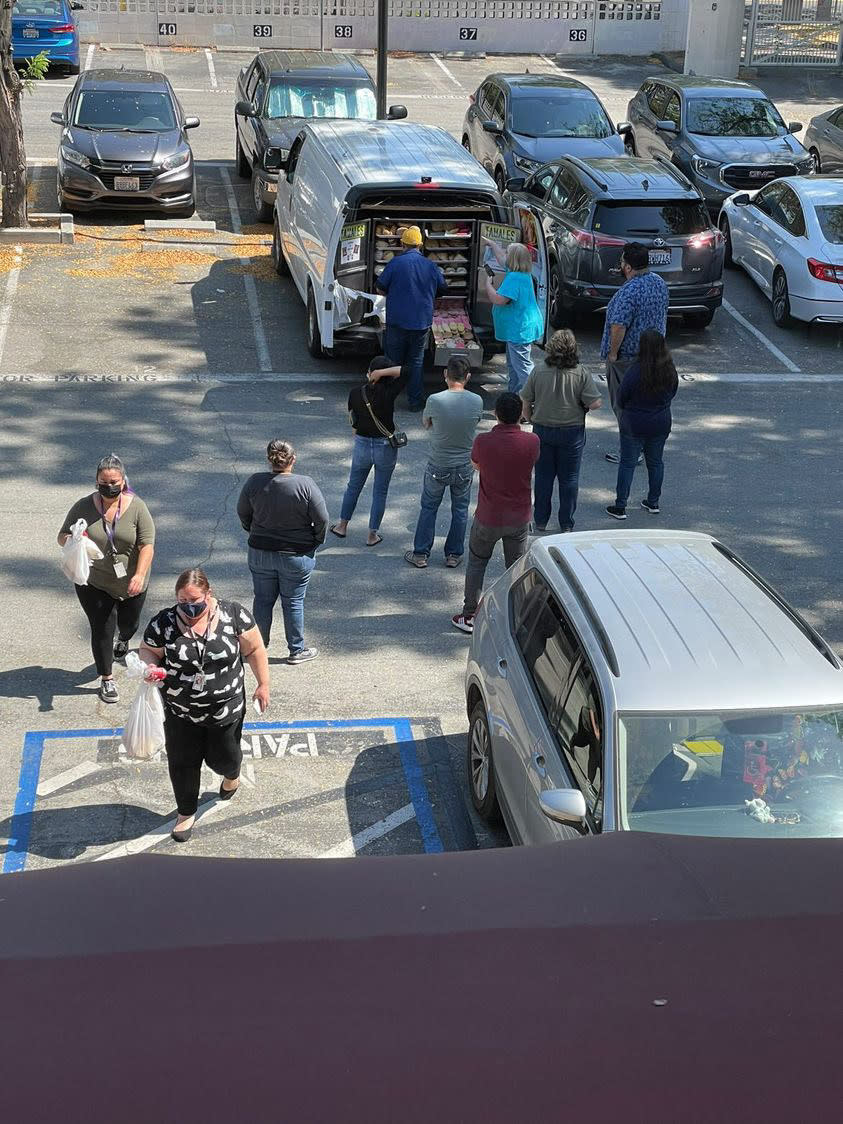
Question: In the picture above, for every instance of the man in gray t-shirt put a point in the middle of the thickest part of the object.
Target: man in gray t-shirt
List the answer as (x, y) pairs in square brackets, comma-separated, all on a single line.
[(452, 417)]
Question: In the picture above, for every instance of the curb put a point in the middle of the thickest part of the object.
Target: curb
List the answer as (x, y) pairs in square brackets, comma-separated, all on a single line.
[(47, 228)]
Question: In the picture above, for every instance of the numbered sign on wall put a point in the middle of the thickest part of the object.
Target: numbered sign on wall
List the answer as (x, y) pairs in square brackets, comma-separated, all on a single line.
[(342, 30), (578, 35), (468, 33), (168, 29), (262, 31)]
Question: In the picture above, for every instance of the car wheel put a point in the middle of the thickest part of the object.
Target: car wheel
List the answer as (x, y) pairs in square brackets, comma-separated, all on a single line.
[(243, 169), (263, 211), (699, 319), (781, 301), (556, 311), (726, 230), (278, 259), (500, 180), (479, 766), (815, 160)]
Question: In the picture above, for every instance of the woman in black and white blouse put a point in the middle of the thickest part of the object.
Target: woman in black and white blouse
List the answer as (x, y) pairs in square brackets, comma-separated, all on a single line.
[(202, 642)]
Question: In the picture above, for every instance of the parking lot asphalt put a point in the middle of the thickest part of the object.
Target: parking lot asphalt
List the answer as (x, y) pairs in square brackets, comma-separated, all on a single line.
[(186, 360)]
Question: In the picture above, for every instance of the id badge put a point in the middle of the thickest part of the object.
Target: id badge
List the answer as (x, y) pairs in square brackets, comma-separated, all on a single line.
[(120, 570), (199, 681)]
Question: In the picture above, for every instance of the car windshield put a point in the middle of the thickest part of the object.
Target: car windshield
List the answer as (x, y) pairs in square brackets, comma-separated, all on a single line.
[(308, 99), (38, 9), (555, 113), (147, 111), (831, 222), (733, 117), (762, 773), (651, 219)]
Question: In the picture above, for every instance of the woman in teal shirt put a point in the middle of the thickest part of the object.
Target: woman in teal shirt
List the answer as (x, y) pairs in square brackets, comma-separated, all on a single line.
[(515, 313)]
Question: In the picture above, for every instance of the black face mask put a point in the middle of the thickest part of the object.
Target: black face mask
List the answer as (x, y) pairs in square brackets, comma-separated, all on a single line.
[(109, 490)]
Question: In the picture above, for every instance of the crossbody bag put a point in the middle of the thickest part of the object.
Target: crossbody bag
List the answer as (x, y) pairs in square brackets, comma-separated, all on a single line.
[(397, 438)]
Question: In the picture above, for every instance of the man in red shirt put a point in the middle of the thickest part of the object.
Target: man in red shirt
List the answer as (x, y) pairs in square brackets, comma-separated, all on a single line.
[(505, 458)]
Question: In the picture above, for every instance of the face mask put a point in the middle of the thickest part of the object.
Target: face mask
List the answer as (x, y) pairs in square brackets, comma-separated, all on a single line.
[(109, 490), (193, 609)]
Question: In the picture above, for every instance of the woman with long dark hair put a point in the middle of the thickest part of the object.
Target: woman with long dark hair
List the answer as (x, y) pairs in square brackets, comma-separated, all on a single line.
[(644, 419)]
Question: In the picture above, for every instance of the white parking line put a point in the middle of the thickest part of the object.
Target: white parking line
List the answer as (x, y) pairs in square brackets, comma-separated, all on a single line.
[(159, 834), (771, 347), (62, 780), (350, 847), (8, 299), (212, 70), (442, 66), (89, 57), (264, 362)]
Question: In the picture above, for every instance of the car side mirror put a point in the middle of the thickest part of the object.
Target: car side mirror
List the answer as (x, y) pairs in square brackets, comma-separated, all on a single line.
[(794, 126), (515, 183), (396, 113), (741, 199), (564, 805), (492, 127), (245, 109), (58, 119), (191, 122), (274, 159), (666, 126), (75, 7), (623, 127)]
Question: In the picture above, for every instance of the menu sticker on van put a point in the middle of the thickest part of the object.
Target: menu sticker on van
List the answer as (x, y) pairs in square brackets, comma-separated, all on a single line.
[(351, 243), (495, 232)]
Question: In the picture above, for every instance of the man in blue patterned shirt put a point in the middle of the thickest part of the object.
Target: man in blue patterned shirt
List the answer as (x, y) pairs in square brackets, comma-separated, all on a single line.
[(639, 305)]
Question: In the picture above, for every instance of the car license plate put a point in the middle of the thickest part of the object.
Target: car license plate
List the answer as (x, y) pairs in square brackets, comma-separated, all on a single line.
[(30, 33), (660, 257), (127, 183)]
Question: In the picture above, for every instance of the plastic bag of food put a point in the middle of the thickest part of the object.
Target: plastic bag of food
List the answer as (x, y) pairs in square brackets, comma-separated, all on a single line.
[(143, 734), (77, 554)]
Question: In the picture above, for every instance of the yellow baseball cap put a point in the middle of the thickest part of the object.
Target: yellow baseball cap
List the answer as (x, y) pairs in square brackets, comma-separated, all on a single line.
[(412, 236)]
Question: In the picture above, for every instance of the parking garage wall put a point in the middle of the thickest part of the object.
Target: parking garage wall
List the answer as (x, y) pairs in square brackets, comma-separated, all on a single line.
[(567, 27)]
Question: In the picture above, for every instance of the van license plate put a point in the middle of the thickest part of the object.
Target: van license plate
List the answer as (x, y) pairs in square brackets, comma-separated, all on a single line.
[(126, 183), (30, 33), (660, 257)]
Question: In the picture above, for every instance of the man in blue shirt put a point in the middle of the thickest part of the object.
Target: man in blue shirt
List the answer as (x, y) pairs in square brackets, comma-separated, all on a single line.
[(639, 305), (411, 283)]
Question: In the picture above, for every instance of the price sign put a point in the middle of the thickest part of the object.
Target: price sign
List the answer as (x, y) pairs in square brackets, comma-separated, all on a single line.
[(262, 31), (468, 33), (342, 30)]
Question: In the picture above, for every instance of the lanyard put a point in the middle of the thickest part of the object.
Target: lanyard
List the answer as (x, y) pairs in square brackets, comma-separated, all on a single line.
[(200, 652), (110, 528)]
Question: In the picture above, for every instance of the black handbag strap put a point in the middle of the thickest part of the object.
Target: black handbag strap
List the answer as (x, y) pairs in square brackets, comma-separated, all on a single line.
[(380, 428)]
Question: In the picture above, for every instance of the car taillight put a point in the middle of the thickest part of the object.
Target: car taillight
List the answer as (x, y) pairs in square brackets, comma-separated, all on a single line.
[(706, 240), (825, 272), (593, 241), (62, 27)]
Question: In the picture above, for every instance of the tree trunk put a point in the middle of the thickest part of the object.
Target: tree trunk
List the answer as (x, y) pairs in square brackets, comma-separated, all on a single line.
[(12, 152)]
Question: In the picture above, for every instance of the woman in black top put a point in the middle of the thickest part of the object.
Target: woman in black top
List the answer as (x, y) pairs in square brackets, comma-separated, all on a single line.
[(202, 642), (645, 420), (368, 405), (286, 518)]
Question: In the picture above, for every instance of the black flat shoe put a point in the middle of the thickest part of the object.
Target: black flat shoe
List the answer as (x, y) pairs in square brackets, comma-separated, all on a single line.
[(227, 793), (182, 836)]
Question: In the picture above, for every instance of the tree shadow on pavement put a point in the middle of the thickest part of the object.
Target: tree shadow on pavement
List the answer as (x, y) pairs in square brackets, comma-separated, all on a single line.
[(45, 683), (67, 833)]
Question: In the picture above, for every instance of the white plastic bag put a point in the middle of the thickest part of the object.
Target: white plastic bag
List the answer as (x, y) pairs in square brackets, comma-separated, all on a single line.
[(143, 734), (77, 553)]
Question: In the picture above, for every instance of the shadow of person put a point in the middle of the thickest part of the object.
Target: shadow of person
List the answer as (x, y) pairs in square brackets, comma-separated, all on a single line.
[(67, 833), (44, 683)]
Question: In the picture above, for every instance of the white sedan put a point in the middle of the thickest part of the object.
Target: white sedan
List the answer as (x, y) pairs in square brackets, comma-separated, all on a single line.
[(788, 236)]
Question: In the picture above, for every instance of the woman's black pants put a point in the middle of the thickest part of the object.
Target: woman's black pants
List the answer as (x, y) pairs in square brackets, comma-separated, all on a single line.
[(105, 613), (189, 745)]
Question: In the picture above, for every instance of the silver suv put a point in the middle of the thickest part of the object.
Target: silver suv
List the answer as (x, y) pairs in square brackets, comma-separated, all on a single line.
[(650, 681)]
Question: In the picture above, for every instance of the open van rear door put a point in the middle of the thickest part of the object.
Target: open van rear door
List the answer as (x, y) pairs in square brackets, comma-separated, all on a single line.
[(532, 235)]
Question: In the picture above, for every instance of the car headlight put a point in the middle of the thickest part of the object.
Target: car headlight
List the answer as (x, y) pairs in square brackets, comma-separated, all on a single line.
[(525, 163), (708, 168), (804, 166), (74, 157), (177, 161)]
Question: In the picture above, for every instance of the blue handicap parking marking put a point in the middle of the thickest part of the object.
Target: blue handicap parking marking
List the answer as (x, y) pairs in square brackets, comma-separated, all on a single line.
[(261, 741)]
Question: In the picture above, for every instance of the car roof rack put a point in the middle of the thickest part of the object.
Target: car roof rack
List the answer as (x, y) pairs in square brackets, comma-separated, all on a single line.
[(807, 630), (587, 607), (583, 167), (677, 173)]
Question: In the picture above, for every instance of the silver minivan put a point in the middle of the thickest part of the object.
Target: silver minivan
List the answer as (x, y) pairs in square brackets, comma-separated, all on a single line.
[(650, 681)]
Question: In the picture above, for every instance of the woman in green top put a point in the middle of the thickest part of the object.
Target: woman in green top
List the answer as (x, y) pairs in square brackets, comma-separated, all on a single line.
[(515, 313), (120, 524)]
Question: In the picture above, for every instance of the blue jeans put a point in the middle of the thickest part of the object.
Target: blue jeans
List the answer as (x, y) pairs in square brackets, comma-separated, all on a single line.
[(559, 459), (405, 346), (286, 576), (519, 358), (436, 480), (368, 453), (631, 449)]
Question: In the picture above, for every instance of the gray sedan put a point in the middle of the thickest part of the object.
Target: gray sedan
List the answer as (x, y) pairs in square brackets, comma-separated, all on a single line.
[(824, 141)]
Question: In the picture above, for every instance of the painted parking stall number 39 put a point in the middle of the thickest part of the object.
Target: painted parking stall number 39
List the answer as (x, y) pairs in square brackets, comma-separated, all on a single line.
[(262, 31)]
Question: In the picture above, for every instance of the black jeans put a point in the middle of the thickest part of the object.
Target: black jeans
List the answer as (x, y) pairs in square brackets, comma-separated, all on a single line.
[(105, 613), (481, 544), (189, 745)]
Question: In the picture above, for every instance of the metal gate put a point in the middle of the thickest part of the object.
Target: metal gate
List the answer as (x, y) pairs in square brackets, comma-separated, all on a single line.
[(795, 33)]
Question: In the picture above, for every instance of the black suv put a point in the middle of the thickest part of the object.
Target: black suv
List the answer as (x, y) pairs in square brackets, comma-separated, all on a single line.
[(590, 208), (276, 93)]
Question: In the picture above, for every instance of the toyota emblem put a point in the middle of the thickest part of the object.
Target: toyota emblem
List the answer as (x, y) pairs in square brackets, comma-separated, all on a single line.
[(659, 242), (125, 168)]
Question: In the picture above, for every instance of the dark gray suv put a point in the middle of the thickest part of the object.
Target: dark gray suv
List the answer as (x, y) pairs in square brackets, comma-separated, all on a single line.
[(589, 209), (726, 136)]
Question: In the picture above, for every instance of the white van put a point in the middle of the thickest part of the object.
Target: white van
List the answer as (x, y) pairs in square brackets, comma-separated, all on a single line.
[(350, 187)]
